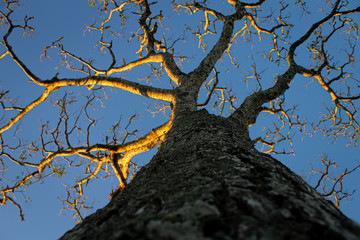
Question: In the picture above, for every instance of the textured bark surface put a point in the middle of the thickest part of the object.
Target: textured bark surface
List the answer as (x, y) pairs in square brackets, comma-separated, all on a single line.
[(208, 182)]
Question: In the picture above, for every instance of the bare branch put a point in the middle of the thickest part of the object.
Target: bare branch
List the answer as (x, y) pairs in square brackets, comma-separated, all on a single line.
[(332, 186), (251, 106), (136, 88), (11, 27), (27, 109), (208, 63)]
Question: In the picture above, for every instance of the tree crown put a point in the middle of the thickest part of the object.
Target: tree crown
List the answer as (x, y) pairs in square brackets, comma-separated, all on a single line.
[(244, 63)]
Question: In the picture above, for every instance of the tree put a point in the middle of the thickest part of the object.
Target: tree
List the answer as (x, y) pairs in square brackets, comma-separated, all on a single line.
[(206, 180)]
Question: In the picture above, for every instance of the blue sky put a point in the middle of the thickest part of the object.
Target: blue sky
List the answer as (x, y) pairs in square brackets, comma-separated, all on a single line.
[(68, 19)]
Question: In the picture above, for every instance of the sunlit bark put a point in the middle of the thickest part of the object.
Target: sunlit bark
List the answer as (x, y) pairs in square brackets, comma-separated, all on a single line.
[(207, 172)]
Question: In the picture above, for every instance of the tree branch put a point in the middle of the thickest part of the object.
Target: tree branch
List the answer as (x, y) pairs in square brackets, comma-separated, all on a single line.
[(135, 88), (205, 67), (27, 109), (251, 107)]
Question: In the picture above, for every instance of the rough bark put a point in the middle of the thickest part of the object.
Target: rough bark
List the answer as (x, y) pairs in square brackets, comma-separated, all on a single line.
[(208, 182)]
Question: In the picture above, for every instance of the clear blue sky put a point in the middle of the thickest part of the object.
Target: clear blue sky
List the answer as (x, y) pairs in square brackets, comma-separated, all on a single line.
[(68, 18)]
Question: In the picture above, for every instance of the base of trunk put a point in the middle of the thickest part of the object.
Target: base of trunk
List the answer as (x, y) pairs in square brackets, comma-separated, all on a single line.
[(208, 182)]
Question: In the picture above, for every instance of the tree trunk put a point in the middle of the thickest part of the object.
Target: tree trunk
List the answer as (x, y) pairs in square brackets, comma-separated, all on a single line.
[(208, 182)]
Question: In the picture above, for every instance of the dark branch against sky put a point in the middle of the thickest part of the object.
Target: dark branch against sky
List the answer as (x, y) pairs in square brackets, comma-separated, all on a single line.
[(260, 64)]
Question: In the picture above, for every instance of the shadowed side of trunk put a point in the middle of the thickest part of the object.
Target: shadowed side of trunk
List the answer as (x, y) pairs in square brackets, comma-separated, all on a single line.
[(208, 182)]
